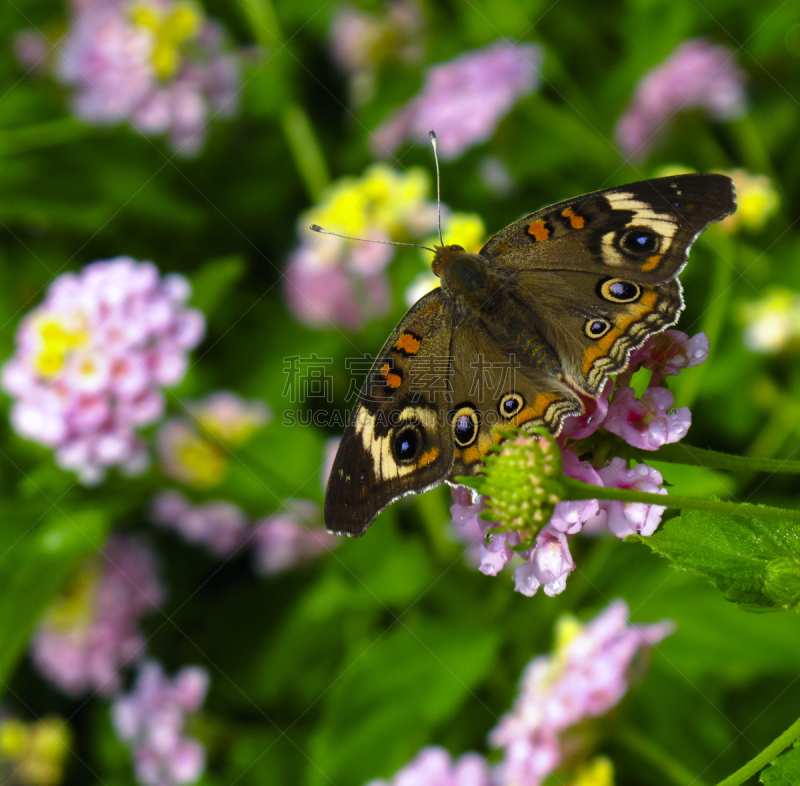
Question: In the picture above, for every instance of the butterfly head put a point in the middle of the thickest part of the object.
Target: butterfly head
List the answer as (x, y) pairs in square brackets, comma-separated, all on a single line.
[(442, 255)]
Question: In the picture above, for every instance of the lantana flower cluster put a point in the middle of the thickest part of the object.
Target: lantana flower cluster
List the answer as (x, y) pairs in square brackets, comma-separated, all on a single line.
[(586, 676), (33, 754), (361, 42), (646, 422), (91, 361), (194, 449), (696, 75), (292, 535), (160, 65), (151, 720), (332, 282), (92, 631), (464, 99), (772, 323), (756, 201)]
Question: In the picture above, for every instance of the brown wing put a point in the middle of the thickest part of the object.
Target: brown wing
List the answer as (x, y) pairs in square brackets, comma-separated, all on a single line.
[(643, 229), (593, 322), (397, 441), (493, 387)]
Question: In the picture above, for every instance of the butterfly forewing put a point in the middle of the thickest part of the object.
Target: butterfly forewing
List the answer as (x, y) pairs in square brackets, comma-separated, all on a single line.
[(394, 443), (642, 229)]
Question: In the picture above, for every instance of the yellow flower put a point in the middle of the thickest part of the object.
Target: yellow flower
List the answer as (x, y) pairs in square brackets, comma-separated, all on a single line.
[(466, 230), (462, 229), (171, 29), (772, 322), (188, 458), (381, 199), (756, 200), (13, 738), (74, 607), (598, 772), (229, 418), (37, 750), (56, 337)]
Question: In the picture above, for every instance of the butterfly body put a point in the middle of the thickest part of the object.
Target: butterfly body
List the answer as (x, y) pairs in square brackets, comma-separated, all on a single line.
[(549, 308)]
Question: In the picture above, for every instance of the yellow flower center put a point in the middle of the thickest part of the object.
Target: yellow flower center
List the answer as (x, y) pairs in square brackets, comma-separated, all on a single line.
[(598, 772), (171, 30), (203, 462), (13, 736), (74, 608), (56, 340), (37, 749)]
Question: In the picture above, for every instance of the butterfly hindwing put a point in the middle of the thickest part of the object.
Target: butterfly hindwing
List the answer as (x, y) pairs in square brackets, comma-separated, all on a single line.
[(395, 443), (594, 322), (494, 387)]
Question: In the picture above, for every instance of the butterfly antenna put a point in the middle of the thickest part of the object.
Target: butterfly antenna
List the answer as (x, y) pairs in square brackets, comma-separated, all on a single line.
[(317, 228), (432, 135)]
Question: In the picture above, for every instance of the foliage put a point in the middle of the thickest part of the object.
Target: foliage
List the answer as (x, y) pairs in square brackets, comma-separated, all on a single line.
[(341, 669)]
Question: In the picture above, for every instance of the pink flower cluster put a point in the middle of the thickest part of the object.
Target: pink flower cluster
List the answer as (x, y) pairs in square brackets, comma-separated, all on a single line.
[(361, 42), (464, 99), (290, 536), (334, 282), (280, 541), (696, 75), (92, 631), (220, 526), (647, 423), (434, 766), (157, 64), (151, 719), (584, 678), (92, 359)]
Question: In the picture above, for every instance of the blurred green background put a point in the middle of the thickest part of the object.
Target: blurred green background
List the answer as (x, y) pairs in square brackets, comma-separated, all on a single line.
[(341, 669)]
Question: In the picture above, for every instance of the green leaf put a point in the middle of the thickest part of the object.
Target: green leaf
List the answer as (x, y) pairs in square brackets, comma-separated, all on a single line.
[(754, 563), (36, 559), (213, 282), (393, 693), (784, 771)]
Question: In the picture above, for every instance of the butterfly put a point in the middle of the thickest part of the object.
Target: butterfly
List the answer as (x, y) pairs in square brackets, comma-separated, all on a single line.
[(549, 308)]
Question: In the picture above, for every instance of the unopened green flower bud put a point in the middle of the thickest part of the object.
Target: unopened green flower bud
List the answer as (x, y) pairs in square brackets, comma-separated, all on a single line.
[(782, 583), (522, 481)]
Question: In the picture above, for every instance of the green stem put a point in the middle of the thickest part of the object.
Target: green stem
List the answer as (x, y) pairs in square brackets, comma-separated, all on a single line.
[(784, 418), (657, 757), (435, 514), (679, 453), (765, 757), (576, 489), (688, 386), (48, 134), (751, 147), (567, 88), (297, 129), (264, 22), (305, 149), (583, 581)]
